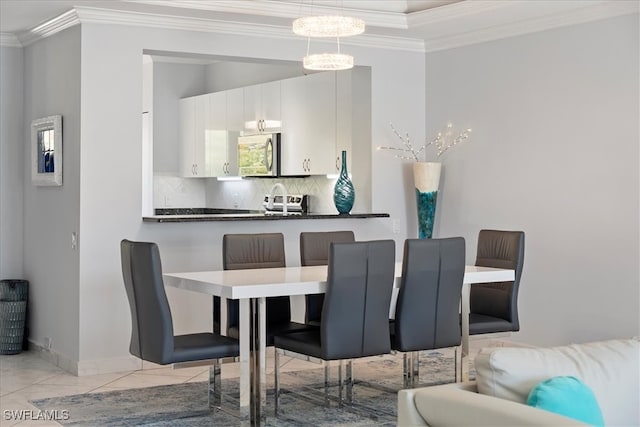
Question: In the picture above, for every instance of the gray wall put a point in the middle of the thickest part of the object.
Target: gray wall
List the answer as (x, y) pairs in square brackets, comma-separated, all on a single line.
[(52, 86), (12, 140), (554, 152)]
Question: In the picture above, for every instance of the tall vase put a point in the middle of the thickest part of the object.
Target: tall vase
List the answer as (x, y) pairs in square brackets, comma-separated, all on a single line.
[(426, 176), (343, 193)]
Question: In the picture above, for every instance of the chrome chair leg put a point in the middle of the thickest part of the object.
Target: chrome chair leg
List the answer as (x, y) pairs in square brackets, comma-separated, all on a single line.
[(349, 381), (458, 368), (276, 379), (326, 384), (340, 383), (215, 394), (415, 363)]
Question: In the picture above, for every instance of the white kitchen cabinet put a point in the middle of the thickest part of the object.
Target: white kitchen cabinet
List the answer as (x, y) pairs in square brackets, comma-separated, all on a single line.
[(206, 147), (216, 141), (309, 125), (193, 113), (262, 109)]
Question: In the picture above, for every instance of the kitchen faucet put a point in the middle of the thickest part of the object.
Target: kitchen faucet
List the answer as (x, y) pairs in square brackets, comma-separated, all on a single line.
[(272, 197)]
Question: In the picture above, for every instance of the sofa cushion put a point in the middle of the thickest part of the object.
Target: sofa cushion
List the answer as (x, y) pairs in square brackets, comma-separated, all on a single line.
[(609, 368), (567, 396)]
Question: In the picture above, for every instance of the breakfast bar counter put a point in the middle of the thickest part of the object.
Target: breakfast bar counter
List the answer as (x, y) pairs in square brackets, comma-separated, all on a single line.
[(256, 216)]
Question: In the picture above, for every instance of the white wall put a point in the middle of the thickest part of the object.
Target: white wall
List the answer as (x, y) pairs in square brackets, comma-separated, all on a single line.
[(51, 214), (12, 140), (230, 75), (111, 196), (554, 152)]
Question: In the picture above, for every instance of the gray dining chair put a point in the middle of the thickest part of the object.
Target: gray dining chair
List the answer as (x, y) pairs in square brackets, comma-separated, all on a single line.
[(494, 306), (251, 251), (152, 337), (314, 250), (426, 315), (355, 313)]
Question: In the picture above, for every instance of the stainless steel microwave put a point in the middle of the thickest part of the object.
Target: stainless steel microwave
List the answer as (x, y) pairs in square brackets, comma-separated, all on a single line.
[(259, 155)]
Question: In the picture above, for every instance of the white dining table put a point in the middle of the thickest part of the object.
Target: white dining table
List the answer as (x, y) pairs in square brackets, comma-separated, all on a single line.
[(252, 287)]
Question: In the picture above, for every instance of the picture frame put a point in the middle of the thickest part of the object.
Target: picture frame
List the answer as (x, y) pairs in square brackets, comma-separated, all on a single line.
[(46, 151)]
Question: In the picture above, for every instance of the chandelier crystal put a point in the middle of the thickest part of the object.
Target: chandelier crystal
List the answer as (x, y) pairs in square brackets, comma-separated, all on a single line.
[(328, 26), (328, 61)]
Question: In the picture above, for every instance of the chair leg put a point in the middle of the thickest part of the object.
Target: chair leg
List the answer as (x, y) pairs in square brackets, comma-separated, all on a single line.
[(276, 378), (340, 384), (215, 393), (349, 381), (326, 383), (415, 363), (458, 368), (411, 369)]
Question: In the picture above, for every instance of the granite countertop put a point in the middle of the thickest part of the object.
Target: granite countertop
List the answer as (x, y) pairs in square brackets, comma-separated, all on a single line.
[(214, 214)]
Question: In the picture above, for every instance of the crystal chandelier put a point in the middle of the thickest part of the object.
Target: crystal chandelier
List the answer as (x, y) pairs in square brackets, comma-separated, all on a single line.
[(328, 61), (328, 26)]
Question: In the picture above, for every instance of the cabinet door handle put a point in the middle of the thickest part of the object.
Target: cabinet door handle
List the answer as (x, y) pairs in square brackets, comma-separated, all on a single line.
[(195, 168), (308, 165), (337, 163)]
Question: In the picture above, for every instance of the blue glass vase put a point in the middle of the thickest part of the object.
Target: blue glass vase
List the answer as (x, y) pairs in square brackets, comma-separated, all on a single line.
[(343, 193), (427, 179)]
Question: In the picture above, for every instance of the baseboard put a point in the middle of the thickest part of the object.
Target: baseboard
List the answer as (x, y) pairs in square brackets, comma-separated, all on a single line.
[(90, 367), (55, 358)]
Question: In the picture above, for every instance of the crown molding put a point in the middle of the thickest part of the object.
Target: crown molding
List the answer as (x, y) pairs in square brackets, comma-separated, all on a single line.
[(289, 10), (452, 11), (94, 15), (592, 12), (9, 40), (50, 27)]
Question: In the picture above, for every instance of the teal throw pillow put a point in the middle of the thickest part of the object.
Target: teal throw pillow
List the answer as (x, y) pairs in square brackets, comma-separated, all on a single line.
[(567, 396)]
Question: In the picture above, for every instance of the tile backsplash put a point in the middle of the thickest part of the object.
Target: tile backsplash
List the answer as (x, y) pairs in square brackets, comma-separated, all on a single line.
[(177, 192), (170, 191)]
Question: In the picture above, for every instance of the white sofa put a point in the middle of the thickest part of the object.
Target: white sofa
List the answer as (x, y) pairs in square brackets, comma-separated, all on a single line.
[(505, 376)]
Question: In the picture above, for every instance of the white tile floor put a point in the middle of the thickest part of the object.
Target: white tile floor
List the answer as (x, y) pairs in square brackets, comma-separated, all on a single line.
[(27, 376)]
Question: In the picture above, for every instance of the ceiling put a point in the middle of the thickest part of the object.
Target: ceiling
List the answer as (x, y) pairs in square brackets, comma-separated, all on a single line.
[(433, 22)]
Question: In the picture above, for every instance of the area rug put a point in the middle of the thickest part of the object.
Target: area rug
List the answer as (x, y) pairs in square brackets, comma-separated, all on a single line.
[(185, 405)]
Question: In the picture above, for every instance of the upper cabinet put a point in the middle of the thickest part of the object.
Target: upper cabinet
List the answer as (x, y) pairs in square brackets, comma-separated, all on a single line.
[(262, 108), (207, 147), (309, 125), (316, 114), (192, 135)]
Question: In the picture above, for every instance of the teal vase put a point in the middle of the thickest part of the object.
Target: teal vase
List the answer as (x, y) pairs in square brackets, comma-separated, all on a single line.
[(343, 193), (426, 176)]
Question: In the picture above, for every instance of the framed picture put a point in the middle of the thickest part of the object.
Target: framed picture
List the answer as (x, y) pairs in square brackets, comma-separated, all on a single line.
[(46, 151)]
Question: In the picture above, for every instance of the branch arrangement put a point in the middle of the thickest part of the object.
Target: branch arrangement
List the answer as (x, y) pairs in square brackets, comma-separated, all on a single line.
[(442, 142)]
